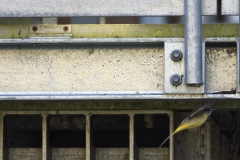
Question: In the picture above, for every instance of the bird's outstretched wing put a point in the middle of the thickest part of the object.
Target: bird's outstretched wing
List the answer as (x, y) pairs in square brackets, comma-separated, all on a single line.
[(196, 111)]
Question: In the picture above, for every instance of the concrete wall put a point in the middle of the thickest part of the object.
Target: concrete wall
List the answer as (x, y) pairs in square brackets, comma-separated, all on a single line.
[(102, 68)]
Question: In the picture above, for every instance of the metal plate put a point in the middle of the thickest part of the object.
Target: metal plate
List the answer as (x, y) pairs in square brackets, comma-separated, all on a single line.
[(73, 8), (50, 29), (43, 31), (171, 67)]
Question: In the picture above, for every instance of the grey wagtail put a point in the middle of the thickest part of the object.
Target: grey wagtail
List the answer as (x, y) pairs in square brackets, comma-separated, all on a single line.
[(194, 120)]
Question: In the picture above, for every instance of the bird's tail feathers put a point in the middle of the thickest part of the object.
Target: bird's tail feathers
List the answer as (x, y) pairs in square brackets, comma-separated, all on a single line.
[(167, 139), (180, 128)]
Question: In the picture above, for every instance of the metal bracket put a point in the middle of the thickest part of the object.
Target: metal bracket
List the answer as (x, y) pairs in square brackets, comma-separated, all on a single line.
[(173, 69), (53, 31)]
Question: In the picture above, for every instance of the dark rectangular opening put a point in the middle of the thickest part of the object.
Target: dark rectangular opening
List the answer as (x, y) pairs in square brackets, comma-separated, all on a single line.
[(22, 137), (23, 131), (110, 131), (151, 130), (67, 131)]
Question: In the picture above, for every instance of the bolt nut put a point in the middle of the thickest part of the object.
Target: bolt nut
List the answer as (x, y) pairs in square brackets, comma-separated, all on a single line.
[(176, 79), (34, 28), (65, 28), (176, 55)]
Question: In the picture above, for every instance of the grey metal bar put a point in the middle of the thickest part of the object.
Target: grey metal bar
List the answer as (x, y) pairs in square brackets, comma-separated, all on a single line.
[(53, 40), (105, 40), (203, 67), (171, 129), (73, 8), (1, 136), (124, 97), (88, 138), (193, 42), (131, 138), (238, 49), (44, 137), (225, 39), (100, 93)]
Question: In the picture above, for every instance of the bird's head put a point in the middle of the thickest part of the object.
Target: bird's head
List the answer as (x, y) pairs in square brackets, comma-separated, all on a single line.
[(209, 111)]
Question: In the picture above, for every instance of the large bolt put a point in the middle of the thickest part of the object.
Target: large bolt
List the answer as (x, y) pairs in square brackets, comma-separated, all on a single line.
[(34, 28), (65, 28), (176, 79), (176, 55)]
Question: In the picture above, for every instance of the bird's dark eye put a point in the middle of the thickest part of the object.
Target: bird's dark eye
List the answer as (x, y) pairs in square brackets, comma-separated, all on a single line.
[(209, 112)]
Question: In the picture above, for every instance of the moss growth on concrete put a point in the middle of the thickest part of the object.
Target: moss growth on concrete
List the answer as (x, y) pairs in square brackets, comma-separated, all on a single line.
[(127, 31), (63, 105)]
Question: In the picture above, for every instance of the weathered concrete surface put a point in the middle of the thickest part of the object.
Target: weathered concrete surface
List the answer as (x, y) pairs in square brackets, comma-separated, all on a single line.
[(112, 153), (79, 154), (61, 69), (230, 7), (221, 68), (153, 154), (68, 153), (72, 8), (25, 153)]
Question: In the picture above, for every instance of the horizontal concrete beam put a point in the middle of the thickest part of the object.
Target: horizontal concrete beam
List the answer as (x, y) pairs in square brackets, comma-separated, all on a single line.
[(109, 68), (105, 72), (72, 8)]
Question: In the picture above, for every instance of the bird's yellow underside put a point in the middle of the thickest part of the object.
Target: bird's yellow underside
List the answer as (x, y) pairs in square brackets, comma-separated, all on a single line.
[(192, 123)]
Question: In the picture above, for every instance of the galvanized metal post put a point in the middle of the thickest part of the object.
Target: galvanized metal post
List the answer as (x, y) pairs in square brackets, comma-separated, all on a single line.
[(171, 129), (2, 149), (193, 42), (88, 138), (44, 137), (131, 138), (238, 49)]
